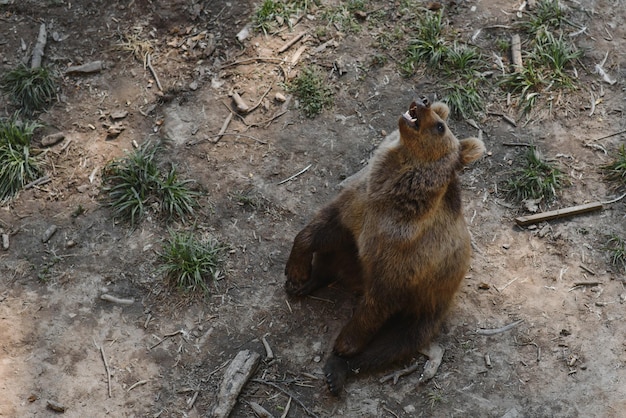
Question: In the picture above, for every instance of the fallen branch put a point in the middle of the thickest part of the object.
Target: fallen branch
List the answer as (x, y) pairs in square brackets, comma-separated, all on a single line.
[(258, 103), (113, 299), (41, 180), (235, 377), (269, 354), (52, 139), (154, 74), (39, 47), (559, 213), (434, 353), (587, 283), (140, 383), (291, 43), (166, 336), (238, 134), (248, 60), (242, 107), (220, 134), (296, 175), (617, 199), (516, 52), (260, 411), (106, 368), (609, 135), (494, 331), (90, 67)]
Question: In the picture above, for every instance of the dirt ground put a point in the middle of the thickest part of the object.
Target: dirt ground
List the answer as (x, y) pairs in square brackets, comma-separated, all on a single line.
[(167, 352)]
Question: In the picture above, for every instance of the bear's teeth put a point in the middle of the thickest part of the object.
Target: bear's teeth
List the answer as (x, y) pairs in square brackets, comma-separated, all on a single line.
[(408, 117)]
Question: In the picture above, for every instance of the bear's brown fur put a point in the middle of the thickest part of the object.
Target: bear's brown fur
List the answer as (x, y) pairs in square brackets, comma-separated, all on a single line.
[(397, 232)]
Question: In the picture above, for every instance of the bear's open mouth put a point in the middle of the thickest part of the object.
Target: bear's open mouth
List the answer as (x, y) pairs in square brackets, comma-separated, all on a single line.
[(410, 116)]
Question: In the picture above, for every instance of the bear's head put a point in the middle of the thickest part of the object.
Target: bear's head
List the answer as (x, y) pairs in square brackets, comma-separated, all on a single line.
[(424, 132)]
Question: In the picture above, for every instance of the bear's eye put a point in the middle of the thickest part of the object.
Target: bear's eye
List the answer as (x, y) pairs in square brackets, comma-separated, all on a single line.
[(441, 128)]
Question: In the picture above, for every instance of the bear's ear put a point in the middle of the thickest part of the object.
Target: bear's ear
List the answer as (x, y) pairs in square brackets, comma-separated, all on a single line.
[(471, 150), (441, 109)]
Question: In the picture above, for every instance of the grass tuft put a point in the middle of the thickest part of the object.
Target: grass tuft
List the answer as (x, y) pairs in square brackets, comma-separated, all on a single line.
[(464, 99), (313, 94), (616, 246), (428, 46), (188, 262), (17, 164), (545, 68), (547, 14), (135, 182), (272, 14), (615, 171), (30, 88), (538, 179)]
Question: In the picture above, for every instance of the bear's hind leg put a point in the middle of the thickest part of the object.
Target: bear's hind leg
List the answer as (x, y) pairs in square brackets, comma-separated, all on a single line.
[(400, 339)]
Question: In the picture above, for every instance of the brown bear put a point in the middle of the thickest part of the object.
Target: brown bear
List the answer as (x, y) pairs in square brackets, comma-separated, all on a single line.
[(397, 232)]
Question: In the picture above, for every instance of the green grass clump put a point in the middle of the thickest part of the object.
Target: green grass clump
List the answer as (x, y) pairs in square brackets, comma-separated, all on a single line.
[(189, 262), (135, 181), (313, 94), (343, 17), (547, 14), (30, 88), (17, 164), (545, 68), (272, 14), (616, 170), (463, 99), (537, 179), (616, 246), (459, 63), (428, 44)]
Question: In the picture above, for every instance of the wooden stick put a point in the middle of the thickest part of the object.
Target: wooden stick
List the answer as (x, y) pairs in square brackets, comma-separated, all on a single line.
[(297, 54), (242, 107), (106, 368), (254, 59), (41, 180), (296, 175), (609, 135), (290, 43), (39, 47), (485, 331), (224, 127), (268, 350), (140, 383), (154, 74), (559, 213), (235, 377), (113, 299), (516, 52)]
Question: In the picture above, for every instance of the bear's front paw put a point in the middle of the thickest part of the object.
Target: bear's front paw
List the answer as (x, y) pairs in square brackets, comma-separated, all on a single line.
[(336, 372), (298, 274)]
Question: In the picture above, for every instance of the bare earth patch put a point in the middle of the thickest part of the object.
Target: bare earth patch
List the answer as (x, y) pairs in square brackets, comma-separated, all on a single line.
[(166, 352)]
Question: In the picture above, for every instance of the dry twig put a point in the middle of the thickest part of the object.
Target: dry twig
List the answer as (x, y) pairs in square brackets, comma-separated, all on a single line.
[(494, 331), (154, 74), (106, 368), (558, 213), (291, 43), (296, 175), (39, 47)]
